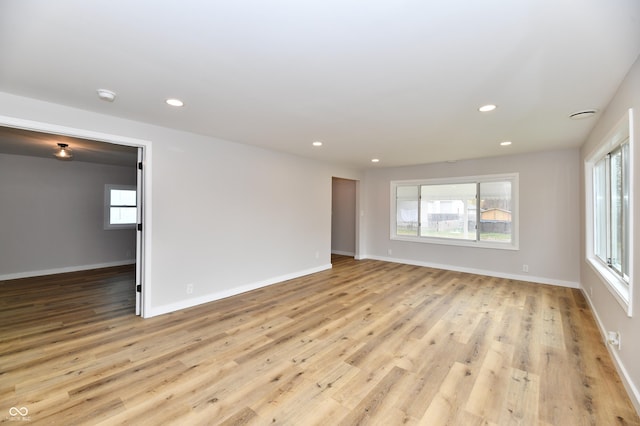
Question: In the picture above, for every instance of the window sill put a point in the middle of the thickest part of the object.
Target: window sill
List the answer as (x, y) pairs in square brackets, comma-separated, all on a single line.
[(460, 242), (616, 286), (120, 226)]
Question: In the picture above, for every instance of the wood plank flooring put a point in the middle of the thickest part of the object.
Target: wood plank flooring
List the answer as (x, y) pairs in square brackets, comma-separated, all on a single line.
[(367, 342)]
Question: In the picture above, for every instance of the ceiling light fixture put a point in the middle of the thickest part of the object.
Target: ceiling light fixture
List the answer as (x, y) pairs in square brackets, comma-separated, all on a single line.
[(63, 152), (505, 143), (106, 95), (579, 115), (487, 108), (174, 102), (317, 143), (375, 160)]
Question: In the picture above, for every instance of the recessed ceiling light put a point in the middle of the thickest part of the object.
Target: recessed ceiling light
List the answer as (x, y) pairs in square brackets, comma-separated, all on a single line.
[(317, 143), (375, 160), (505, 143), (106, 95), (174, 102), (579, 115), (487, 108)]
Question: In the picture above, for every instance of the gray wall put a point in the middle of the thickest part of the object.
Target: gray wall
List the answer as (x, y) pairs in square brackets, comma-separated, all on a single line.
[(609, 312), (52, 216), (343, 217), (549, 218), (224, 217)]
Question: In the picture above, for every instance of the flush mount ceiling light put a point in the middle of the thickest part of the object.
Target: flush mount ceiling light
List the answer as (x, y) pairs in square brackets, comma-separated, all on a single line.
[(63, 152), (505, 143), (579, 115), (317, 143), (106, 95), (375, 160), (487, 108), (174, 102)]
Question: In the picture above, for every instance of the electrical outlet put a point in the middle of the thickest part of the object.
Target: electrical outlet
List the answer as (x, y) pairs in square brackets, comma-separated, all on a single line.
[(317, 255), (189, 288), (614, 339), (390, 252), (525, 268)]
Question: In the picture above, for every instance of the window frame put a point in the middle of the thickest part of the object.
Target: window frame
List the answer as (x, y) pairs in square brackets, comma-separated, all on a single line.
[(512, 177), (107, 207), (620, 287)]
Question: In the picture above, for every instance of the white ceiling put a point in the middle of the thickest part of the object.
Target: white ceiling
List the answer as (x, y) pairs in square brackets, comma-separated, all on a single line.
[(392, 79)]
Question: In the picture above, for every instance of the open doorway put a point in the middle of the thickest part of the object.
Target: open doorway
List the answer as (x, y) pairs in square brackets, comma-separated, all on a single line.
[(58, 198), (343, 217)]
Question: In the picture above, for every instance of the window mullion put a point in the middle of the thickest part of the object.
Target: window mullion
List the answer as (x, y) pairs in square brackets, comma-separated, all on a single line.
[(626, 193), (609, 225), (419, 211), (478, 212)]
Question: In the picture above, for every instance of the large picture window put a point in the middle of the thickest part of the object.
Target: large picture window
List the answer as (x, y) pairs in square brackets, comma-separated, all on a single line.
[(609, 211), (477, 211)]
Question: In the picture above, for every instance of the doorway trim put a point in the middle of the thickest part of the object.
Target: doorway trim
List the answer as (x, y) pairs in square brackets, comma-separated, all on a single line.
[(55, 129)]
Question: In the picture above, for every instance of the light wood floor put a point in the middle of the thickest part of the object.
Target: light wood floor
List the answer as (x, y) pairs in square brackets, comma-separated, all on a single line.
[(367, 342)]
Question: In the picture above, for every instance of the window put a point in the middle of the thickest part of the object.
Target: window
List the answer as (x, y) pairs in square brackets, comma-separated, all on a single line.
[(609, 211), (473, 211), (120, 206)]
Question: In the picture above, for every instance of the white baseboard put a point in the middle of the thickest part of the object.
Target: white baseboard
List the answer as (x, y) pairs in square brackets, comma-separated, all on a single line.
[(189, 303), (631, 388), (42, 272), (528, 278), (343, 253)]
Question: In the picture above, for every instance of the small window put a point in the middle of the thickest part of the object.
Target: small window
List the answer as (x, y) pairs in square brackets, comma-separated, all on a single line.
[(473, 211), (609, 211), (121, 209)]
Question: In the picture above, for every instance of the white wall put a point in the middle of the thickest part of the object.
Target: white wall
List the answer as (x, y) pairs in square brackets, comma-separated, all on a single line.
[(52, 216), (549, 218), (225, 218), (611, 315), (343, 218)]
